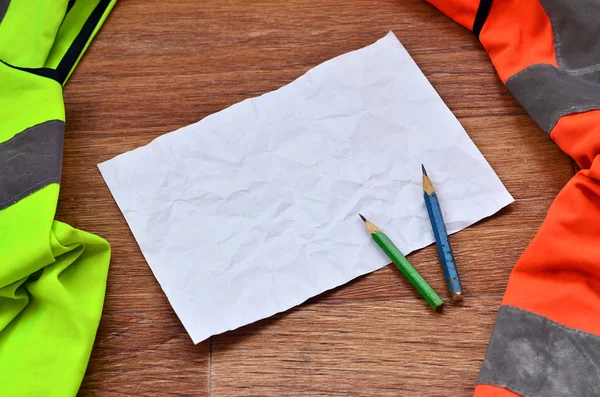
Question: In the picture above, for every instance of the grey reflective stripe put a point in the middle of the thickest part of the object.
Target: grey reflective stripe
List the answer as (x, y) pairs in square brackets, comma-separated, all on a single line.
[(576, 32), (30, 160), (3, 8), (536, 357), (548, 93)]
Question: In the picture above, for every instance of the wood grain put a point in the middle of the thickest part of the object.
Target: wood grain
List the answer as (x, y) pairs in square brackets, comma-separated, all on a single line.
[(389, 348), (144, 353), (157, 66)]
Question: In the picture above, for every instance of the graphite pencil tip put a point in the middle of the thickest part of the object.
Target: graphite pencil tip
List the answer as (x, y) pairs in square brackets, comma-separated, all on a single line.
[(362, 217), (423, 169)]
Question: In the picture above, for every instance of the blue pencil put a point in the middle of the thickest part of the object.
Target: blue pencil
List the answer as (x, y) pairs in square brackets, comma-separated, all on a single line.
[(441, 238)]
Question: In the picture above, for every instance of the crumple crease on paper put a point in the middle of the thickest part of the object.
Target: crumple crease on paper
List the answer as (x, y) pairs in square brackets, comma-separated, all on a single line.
[(253, 210)]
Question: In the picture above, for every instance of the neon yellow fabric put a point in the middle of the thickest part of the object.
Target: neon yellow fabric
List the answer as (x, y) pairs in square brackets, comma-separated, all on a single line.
[(28, 30), (23, 93), (52, 276)]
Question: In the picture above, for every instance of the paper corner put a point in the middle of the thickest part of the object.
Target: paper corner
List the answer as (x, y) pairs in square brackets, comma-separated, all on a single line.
[(391, 36)]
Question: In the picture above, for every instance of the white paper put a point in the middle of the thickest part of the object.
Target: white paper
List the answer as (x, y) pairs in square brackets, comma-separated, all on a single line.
[(253, 210)]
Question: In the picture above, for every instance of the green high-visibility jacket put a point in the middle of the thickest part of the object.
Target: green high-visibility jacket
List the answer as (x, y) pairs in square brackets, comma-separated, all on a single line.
[(52, 276)]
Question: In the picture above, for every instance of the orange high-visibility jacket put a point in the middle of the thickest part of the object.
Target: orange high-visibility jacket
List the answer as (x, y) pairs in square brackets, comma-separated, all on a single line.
[(546, 342)]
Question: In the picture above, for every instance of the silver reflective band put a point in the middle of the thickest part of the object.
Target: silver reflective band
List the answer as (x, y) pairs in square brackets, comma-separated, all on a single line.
[(576, 30), (30, 160), (534, 356), (548, 93)]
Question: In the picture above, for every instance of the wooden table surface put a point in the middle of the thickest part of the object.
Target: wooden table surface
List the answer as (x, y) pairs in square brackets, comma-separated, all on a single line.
[(156, 66)]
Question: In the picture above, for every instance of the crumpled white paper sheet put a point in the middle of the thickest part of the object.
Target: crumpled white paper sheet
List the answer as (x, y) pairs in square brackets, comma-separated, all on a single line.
[(253, 210)]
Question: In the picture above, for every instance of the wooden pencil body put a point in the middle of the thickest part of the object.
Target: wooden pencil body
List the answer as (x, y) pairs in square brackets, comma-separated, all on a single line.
[(408, 270), (443, 244)]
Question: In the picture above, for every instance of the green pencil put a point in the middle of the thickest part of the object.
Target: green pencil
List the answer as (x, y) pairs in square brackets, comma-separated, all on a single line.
[(404, 265)]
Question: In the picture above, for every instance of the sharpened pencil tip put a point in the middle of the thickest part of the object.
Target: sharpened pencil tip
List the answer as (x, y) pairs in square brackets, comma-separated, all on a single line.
[(423, 169), (362, 217)]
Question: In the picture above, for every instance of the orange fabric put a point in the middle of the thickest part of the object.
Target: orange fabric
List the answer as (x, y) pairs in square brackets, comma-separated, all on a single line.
[(492, 391), (517, 34), (462, 11), (578, 136), (558, 275)]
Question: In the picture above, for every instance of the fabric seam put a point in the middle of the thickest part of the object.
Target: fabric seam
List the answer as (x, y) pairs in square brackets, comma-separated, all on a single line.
[(32, 189), (562, 326), (566, 112), (28, 192), (506, 385), (19, 136), (557, 46), (41, 72), (528, 68), (585, 70)]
